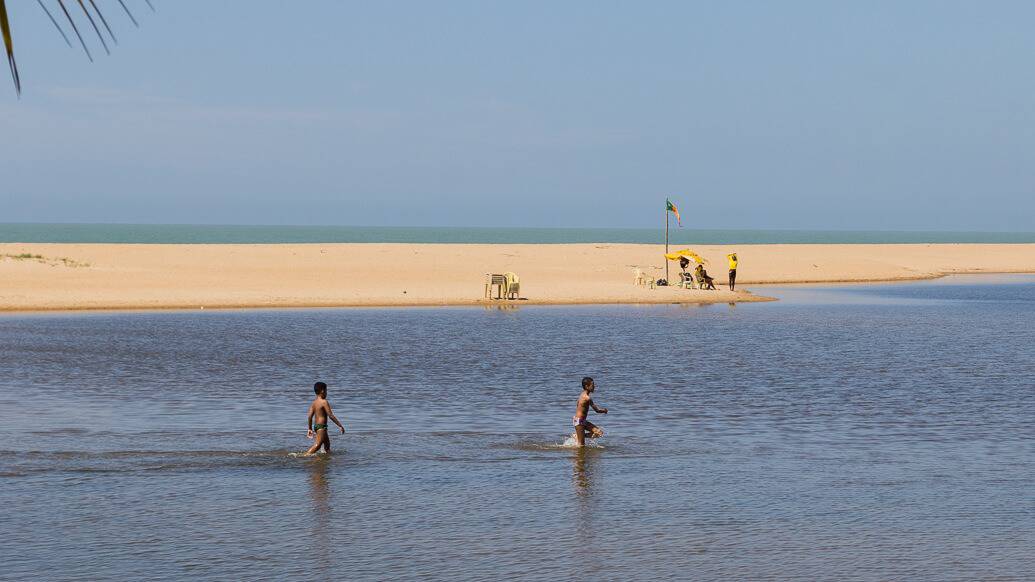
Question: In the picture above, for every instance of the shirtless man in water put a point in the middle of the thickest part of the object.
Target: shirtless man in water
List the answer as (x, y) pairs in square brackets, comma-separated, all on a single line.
[(583, 427), (320, 409)]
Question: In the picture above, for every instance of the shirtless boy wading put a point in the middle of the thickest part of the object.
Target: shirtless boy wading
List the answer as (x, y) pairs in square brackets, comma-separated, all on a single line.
[(583, 427), (320, 410)]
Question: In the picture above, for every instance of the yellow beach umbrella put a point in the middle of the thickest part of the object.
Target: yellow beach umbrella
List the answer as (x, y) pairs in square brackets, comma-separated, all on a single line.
[(675, 256)]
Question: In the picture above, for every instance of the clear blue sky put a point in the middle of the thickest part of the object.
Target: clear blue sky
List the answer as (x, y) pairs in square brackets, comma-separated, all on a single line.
[(865, 115)]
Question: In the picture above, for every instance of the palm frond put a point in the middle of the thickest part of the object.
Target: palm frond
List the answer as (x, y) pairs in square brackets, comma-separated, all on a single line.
[(56, 25), (89, 11), (5, 29), (104, 22), (75, 28), (94, 24), (129, 14)]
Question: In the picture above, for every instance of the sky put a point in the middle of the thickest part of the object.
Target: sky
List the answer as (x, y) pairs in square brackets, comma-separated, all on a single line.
[(879, 115)]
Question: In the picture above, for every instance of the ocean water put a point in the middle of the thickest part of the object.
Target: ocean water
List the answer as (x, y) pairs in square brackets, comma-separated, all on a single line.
[(844, 433), (214, 234)]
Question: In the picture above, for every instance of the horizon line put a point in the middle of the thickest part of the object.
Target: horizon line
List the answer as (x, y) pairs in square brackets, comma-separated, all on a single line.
[(495, 227)]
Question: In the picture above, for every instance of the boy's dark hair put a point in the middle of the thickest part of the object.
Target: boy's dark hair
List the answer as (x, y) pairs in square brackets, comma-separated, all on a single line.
[(586, 382), (319, 387)]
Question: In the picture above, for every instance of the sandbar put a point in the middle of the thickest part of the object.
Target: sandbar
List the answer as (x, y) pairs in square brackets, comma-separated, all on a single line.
[(45, 277)]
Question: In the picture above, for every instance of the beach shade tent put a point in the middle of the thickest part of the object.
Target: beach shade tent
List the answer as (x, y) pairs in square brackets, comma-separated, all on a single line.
[(675, 256)]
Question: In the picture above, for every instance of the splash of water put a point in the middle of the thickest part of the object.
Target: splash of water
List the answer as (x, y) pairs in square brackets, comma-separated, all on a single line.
[(571, 443)]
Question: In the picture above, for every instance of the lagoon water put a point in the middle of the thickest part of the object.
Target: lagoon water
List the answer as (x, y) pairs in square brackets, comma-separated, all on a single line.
[(857, 432)]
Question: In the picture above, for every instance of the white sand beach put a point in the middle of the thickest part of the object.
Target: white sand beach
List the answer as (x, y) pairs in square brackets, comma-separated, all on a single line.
[(140, 276)]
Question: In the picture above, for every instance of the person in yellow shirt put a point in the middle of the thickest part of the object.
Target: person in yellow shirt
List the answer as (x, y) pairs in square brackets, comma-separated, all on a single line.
[(732, 258)]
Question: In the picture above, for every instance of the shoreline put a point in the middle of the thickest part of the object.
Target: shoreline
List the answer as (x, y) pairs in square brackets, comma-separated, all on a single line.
[(719, 297), (59, 277)]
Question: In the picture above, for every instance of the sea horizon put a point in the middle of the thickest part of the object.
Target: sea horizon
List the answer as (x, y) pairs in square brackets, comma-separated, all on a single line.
[(126, 233)]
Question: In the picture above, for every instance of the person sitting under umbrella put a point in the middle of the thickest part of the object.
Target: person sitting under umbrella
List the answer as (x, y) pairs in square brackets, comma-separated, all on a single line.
[(686, 278), (703, 279)]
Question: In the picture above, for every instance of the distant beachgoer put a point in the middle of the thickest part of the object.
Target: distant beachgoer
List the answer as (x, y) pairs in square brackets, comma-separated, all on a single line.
[(732, 258), (703, 279), (684, 278), (583, 427), (320, 409)]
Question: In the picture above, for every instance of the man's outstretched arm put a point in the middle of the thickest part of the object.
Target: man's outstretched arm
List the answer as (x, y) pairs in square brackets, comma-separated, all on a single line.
[(335, 419)]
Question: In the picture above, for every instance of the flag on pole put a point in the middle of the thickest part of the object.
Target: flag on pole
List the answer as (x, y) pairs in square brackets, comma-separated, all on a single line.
[(674, 210)]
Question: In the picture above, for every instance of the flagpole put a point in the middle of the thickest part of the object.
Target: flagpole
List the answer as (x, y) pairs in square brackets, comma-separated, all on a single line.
[(666, 240)]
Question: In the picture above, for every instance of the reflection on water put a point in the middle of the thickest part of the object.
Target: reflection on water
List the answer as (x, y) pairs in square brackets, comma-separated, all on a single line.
[(501, 306), (584, 534), (320, 530), (876, 432), (582, 474)]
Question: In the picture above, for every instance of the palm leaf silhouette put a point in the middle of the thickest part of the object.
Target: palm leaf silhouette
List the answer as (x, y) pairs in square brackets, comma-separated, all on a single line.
[(55, 22), (85, 7), (5, 29)]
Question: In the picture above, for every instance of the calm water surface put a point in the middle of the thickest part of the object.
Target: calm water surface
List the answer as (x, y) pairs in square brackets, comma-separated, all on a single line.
[(866, 432), (244, 234)]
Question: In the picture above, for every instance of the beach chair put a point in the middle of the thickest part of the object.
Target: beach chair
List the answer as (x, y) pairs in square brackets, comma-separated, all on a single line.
[(640, 278), (686, 280), (497, 281), (705, 282), (512, 282)]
